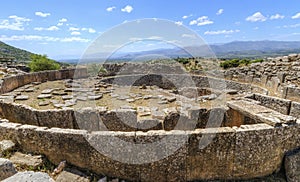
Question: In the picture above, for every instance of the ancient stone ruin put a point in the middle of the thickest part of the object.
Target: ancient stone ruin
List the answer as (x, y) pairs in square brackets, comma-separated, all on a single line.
[(239, 126)]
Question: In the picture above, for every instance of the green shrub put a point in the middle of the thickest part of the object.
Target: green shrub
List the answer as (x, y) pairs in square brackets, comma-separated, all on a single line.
[(42, 63)]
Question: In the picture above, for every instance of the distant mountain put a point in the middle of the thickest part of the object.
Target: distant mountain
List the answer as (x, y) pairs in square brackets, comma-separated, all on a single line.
[(236, 49), (10, 52)]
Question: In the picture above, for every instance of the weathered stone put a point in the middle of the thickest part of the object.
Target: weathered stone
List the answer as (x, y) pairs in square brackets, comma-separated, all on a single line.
[(95, 97), (67, 97), (292, 166), (30, 176), (6, 146), (47, 91), (6, 169), (27, 160), (67, 176), (44, 96), (44, 103), (61, 93), (22, 97)]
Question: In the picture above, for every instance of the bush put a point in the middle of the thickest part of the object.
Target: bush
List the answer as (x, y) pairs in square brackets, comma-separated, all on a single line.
[(42, 63), (237, 62)]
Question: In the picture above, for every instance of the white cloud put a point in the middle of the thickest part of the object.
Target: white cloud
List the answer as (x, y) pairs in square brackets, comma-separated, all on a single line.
[(52, 28), (127, 9), (296, 16), (75, 33), (74, 29), (42, 38), (256, 17), (63, 20), (221, 32), (179, 23), (186, 16), (277, 16), (14, 23), (193, 22), (41, 14), (60, 24), (292, 26), (74, 39), (203, 20), (110, 9), (91, 30), (220, 11), (188, 35)]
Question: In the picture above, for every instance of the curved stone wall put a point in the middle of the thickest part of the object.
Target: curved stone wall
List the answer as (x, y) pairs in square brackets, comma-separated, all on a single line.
[(242, 152), (238, 150)]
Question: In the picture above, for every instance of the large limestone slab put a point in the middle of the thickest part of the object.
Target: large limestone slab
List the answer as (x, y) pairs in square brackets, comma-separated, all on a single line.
[(27, 160), (260, 113)]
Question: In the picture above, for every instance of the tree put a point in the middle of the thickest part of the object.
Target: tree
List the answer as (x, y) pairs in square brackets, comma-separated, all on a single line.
[(41, 63)]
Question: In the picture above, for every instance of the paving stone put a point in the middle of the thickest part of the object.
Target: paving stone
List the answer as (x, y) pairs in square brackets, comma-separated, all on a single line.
[(171, 99), (47, 91), (82, 98), (29, 90), (27, 160), (95, 97), (67, 97), (61, 93), (22, 97), (44, 103), (130, 100), (44, 96), (146, 97)]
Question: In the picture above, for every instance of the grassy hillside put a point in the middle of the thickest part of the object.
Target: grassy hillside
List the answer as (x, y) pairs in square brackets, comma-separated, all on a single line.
[(10, 52)]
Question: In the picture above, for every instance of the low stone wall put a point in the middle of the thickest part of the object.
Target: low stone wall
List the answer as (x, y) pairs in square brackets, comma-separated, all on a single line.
[(242, 152), (281, 105), (13, 82), (98, 119)]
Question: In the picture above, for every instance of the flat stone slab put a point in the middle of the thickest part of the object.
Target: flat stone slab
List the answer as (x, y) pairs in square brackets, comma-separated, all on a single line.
[(67, 97), (261, 113), (95, 97), (30, 176), (29, 90), (45, 103), (6, 145), (66, 176), (27, 160), (22, 97), (47, 91), (44, 96), (61, 93), (7, 169)]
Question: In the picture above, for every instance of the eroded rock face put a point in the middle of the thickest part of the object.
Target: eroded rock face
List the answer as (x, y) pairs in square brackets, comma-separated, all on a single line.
[(292, 166)]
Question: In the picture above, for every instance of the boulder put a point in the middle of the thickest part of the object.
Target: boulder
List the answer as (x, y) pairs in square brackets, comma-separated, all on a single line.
[(27, 160)]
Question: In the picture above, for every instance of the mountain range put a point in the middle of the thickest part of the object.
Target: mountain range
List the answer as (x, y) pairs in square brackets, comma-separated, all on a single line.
[(236, 49)]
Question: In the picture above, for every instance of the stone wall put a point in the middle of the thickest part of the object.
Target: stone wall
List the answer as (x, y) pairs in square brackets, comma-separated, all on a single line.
[(276, 74), (242, 152), (13, 82), (97, 119)]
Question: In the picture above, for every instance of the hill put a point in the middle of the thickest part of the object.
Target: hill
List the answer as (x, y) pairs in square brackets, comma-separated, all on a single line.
[(10, 52)]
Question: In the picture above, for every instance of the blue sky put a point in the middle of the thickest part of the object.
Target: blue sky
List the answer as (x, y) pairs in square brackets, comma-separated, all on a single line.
[(65, 29)]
